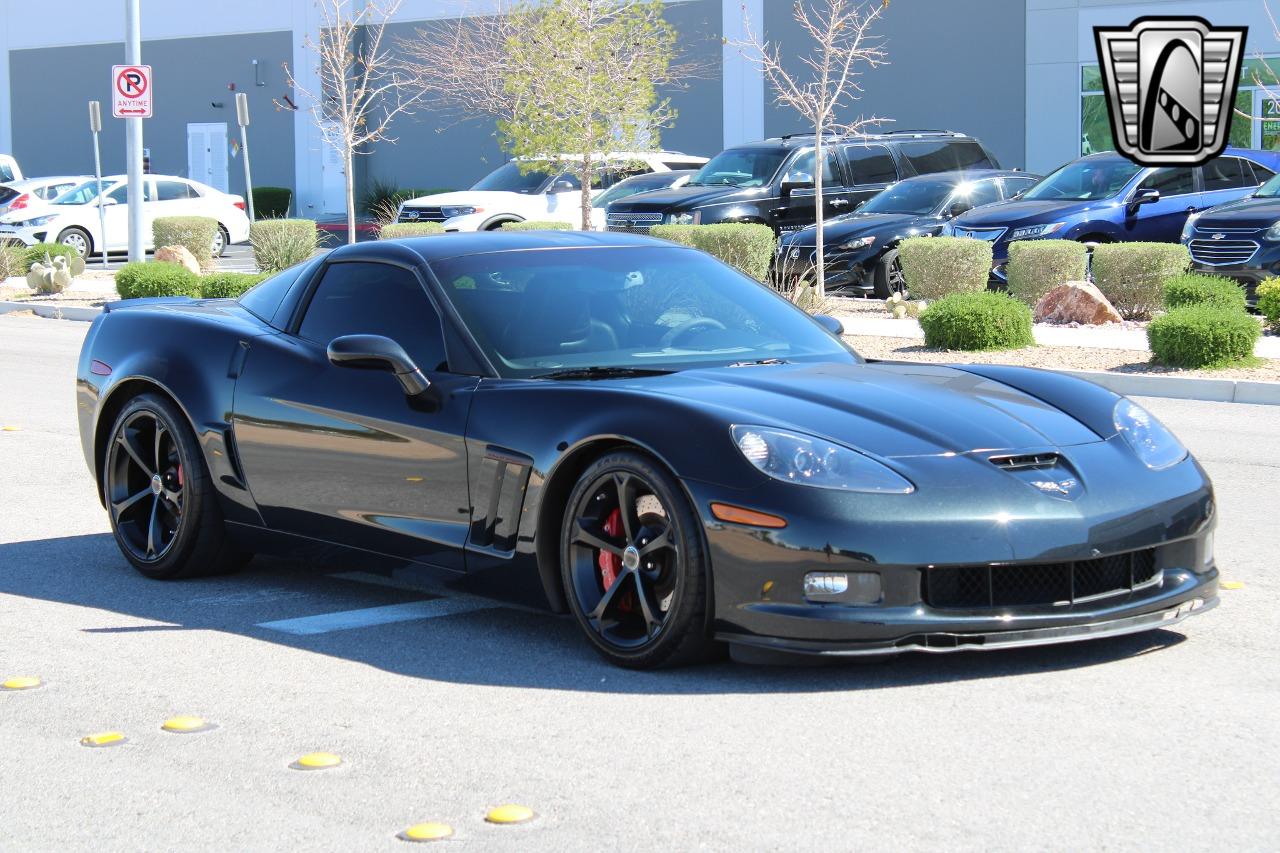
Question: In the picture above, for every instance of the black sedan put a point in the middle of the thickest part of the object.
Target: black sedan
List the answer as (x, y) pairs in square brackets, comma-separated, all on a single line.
[(1239, 239), (678, 454), (861, 248)]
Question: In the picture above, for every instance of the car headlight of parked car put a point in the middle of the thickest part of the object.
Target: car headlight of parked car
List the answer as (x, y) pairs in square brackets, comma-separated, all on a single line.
[(1151, 440), (39, 220), (450, 212), (1273, 233), (1027, 232), (1191, 226), (794, 457), (684, 218), (855, 243)]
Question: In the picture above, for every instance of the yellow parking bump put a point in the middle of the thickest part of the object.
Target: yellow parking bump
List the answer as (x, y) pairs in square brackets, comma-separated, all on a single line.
[(186, 725), (20, 682), (413, 479), (10, 428), (316, 761), (103, 739), (430, 831), (509, 813), (1231, 584)]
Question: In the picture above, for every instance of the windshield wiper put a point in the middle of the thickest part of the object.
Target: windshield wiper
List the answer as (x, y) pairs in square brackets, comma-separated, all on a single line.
[(603, 373), (759, 361)]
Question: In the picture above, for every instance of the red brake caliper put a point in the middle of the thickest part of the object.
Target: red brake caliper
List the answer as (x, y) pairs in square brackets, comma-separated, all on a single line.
[(610, 564)]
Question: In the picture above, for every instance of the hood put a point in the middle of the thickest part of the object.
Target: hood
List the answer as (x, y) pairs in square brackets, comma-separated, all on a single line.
[(1242, 213), (682, 198), (865, 225), (890, 410), (1026, 212)]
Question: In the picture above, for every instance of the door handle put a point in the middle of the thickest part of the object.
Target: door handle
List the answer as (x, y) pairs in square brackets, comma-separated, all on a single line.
[(1191, 208), (839, 202)]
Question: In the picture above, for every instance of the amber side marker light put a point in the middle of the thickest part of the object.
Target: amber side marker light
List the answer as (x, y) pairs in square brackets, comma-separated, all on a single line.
[(742, 515)]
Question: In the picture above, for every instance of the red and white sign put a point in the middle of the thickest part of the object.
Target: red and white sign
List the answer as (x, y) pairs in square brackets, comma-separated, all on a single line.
[(131, 91)]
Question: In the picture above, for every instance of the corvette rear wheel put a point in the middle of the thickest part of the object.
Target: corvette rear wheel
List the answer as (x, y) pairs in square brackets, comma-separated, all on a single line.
[(633, 564), (160, 498)]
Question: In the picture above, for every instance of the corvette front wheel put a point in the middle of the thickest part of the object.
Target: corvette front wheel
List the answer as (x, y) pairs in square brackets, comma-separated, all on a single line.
[(633, 564)]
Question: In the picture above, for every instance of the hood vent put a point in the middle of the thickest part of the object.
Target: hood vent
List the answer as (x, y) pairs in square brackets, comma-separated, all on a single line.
[(1026, 460)]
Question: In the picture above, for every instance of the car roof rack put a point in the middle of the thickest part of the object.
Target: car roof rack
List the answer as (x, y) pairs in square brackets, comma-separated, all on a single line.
[(920, 132)]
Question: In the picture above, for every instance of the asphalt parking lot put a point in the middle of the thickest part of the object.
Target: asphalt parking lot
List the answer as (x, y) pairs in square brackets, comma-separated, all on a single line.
[(1168, 740)]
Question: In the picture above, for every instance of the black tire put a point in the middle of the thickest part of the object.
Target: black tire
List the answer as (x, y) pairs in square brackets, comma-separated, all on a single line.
[(160, 498), (78, 239), (887, 278), (619, 617), (219, 249)]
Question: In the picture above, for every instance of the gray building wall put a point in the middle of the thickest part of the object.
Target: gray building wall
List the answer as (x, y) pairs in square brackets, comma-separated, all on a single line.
[(51, 87), (952, 66)]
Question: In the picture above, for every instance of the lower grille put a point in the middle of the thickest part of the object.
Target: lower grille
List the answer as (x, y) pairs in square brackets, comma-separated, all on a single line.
[(968, 587), (634, 223), (989, 235), (421, 214), (1222, 252)]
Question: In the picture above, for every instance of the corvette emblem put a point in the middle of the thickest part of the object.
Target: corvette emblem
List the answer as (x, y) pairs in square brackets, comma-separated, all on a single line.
[(1068, 488)]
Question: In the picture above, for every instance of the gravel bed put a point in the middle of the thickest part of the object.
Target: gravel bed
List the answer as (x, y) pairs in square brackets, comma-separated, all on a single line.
[(1066, 358)]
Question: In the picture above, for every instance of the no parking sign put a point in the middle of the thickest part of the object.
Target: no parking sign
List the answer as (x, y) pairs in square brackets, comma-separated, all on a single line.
[(131, 91)]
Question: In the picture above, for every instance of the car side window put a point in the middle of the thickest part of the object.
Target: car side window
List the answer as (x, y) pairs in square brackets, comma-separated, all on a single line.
[(121, 193), (978, 193), (1261, 174), (929, 156), (801, 169), (1171, 180), (362, 298), (870, 164), (1226, 173), (1013, 186), (172, 191)]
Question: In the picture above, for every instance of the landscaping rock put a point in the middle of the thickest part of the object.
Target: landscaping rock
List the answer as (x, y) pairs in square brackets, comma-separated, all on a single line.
[(178, 255), (1076, 302)]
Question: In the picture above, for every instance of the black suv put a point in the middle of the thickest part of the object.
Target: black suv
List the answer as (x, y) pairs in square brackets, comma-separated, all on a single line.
[(771, 182)]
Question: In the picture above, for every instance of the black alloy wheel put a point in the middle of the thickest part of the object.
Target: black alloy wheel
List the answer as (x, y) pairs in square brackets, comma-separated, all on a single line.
[(888, 276), (633, 565)]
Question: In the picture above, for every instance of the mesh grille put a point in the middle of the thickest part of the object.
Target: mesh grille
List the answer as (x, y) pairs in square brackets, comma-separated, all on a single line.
[(1222, 251), (968, 587)]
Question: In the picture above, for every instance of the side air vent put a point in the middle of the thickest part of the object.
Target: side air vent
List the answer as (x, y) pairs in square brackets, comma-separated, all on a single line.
[(1026, 460)]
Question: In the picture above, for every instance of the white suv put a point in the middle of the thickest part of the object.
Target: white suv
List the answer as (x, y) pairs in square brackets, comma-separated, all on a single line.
[(508, 194)]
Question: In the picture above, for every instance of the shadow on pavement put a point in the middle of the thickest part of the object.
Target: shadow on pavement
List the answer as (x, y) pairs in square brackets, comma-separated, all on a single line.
[(500, 646)]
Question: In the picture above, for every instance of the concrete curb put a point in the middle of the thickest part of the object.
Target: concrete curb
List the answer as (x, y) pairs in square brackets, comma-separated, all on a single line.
[(53, 312), (1184, 388)]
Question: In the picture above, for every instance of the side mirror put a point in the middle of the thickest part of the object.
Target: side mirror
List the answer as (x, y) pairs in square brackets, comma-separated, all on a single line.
[(563, 187), (107, 201), (831, 324), (1147, 195), (958, 207), (788, 187), (374, 352)]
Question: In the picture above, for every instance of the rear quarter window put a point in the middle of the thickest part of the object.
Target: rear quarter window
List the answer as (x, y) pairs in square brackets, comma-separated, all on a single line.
[(929, 156)]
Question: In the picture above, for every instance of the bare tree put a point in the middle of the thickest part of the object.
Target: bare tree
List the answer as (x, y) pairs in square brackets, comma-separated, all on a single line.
[(361, 85), (843, 46)]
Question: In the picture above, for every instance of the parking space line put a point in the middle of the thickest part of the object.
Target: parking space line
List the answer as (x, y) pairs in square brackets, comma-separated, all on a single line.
[(432, 588), (346, 620)]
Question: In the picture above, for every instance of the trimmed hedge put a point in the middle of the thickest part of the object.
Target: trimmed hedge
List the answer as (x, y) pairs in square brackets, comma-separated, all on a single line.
[(935, 267), (1038, 266), (228, 284), (194, 233), (1198, 289), (280, 243), (1268, 294), (271, 202), (396, 230), (141, 278), (1132, 275), (1203, 336), (745, 246), (36, 254), (536, 225), (977, 321), (11, 262)]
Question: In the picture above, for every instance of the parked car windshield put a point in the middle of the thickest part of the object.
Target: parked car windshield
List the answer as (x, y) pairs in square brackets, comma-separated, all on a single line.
[(1270, 189), (510, 179), (536, 313), (82, 194), (917, 197), (740, 167), (626, 188), (1085, 180)]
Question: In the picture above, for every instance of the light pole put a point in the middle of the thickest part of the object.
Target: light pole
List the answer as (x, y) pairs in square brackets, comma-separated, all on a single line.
[(133, 135), (242, 117)]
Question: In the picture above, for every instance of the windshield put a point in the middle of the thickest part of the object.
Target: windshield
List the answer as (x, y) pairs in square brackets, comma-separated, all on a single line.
[(740, 167), (81, 194), (629, 188), (510, 179), (642, 308), (917, 197), (1085, 180), (1270, 189)]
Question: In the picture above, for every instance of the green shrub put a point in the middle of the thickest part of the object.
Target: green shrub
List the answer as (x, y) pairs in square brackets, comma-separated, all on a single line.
[(935, 267), (537, 225), (271, 202), (152, 279), (977, 321), (1197, 289), (383, 198), (396, 230), (1268, 293), (1038, 266), (36, 254), (747, 247), (194, 233), (1132, 275), (228, 284), (1203, 336), (11, 262), (281, 243)]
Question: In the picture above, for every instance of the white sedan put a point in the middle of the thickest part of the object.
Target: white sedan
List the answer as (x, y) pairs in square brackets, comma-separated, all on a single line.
[(72, 218), (32, 195)]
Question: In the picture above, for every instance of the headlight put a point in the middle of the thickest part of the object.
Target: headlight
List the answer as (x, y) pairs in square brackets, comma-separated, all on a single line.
[(856, 243), (1150, 440), (450, 212), (684, 218), (1273, 233), (1028, 231), (39, 220), (1191, 226), (808, 460)]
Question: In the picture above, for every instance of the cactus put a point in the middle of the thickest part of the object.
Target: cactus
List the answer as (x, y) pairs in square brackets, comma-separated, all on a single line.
[(54, 275), (900, 308)]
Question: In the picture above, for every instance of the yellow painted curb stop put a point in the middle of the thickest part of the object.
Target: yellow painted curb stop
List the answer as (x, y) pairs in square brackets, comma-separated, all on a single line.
[(21, 682), (10, 428), (1231, 584), (431, 831), (186, 725), (316, 761), (509, 813), (103, 739)]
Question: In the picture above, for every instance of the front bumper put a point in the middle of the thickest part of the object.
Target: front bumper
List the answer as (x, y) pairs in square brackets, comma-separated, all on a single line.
[(11, 236), (1264, 264), (847, 271)]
